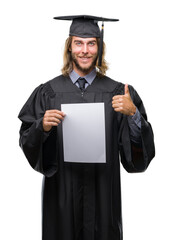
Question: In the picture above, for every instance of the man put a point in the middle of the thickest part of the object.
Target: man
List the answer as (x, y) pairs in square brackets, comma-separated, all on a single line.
[(82, 201)]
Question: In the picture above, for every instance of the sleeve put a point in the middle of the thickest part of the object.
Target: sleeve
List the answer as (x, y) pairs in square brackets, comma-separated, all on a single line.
[(39, 147), (136, 157), (134, 123)]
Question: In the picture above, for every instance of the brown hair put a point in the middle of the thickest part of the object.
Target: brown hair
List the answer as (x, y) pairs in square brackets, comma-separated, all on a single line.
[(67, 59)]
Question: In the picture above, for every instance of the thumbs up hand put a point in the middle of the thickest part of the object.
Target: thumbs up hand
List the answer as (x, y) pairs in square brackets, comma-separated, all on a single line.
[(124, 103)]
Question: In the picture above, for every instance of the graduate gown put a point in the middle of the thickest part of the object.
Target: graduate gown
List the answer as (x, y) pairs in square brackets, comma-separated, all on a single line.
[(82, 201)]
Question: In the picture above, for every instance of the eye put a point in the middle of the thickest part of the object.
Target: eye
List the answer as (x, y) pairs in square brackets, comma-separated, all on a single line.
[(78, 43), (92, 43)]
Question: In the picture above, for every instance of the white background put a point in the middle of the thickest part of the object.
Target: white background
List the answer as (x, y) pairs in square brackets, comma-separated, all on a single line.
[(140, 52)]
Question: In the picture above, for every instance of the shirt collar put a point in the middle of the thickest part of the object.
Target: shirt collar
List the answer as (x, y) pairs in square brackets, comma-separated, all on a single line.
[(89, 77)]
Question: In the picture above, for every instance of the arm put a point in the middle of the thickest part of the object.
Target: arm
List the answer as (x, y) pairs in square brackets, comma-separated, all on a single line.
[(38, 145), (135, 157), (125, 105)]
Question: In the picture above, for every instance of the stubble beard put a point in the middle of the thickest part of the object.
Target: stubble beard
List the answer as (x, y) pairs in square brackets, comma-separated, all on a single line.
[(84, 70)]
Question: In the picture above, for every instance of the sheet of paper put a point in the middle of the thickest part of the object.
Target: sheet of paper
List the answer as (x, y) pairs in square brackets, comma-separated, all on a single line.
[(84, 133)]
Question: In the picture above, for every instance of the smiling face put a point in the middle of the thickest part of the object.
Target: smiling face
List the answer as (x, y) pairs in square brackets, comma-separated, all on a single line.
[(84, 52)]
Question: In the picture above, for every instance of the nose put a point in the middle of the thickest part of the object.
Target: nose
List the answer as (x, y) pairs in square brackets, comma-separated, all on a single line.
[(85, 48)]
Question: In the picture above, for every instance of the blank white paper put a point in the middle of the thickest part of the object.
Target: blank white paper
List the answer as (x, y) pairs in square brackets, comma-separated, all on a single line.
[(84, 132)]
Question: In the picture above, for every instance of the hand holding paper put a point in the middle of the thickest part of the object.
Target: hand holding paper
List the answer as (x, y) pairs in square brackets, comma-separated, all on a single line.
[(52, 118)]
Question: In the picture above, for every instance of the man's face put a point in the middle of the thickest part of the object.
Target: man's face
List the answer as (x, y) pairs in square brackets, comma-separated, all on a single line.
[(84, 53)]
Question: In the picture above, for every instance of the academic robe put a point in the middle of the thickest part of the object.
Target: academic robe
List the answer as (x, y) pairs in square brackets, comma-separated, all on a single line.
[(82, 201)]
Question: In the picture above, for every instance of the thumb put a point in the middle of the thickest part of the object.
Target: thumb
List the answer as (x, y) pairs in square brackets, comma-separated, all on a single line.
[(126, 90)]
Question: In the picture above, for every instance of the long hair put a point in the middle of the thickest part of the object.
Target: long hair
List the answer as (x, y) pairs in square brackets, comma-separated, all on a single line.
[(68, 64)]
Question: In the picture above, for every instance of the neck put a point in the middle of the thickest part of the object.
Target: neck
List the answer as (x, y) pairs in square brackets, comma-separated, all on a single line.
[(82, 72)]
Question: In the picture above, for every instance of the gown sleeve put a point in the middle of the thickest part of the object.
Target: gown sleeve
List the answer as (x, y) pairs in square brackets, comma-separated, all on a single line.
[(136, 157), (38, 146)]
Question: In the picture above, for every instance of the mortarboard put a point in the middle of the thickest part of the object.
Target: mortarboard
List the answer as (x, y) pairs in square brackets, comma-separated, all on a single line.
[(86, 26)]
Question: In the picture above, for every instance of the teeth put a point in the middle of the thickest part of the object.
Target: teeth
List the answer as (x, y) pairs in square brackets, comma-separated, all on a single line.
[(84, 57)]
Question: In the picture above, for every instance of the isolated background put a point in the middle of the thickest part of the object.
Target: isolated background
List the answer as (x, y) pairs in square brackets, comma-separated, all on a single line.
[(140, 52)]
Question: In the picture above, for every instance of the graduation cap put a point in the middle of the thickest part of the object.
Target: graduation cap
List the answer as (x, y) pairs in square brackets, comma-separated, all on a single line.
[(86, 26)]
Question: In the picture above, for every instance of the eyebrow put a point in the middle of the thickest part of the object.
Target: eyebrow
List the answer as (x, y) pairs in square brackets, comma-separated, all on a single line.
[(77, 40), (91, 41)]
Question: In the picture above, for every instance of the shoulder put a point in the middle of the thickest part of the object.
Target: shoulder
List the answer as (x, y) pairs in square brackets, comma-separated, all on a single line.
[(110, 85), (117, 88), (57, 84), (52, 85), (56, 80)]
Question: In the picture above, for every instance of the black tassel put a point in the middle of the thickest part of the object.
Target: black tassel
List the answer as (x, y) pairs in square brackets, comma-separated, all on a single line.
[(101, 46)]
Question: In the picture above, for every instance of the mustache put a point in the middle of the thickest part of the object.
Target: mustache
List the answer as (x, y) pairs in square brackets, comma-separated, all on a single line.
[(84, 55)]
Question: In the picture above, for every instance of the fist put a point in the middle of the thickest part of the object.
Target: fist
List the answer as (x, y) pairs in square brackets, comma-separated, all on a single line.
[(52, 118), (124, 103)]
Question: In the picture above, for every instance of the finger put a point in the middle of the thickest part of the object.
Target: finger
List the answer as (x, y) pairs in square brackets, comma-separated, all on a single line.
[(55, 111), (118, 109), (61, 113), (117, 101), (59, 116), (116, 105), (50, 124), (55, 115), (116, 97), (126, 89), (52, 119), (53, 123)]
